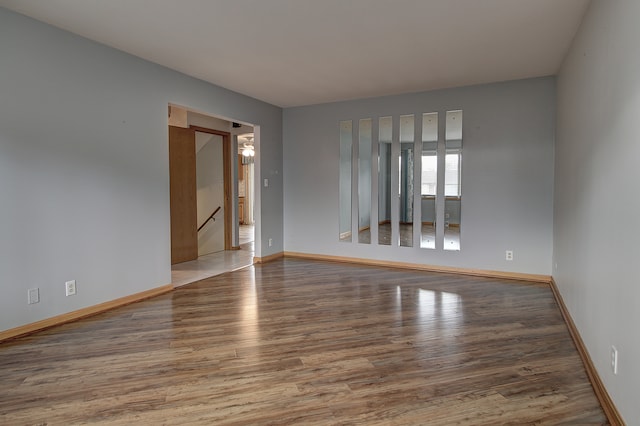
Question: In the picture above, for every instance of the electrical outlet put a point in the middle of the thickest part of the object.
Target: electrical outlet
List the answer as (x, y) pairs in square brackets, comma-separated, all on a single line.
[(70, 288), (270, 242), (509, 255), (33, 296), (614, 360)]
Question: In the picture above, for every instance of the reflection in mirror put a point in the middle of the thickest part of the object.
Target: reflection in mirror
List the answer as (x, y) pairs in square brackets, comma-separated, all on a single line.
[(452, 180), (405, 179), (385, 127), (346, 139), (429, 179), (364, 181)]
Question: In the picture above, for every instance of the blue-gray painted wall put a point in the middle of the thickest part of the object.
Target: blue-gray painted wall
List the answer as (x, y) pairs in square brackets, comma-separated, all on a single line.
[(507, 175), (84, 168)]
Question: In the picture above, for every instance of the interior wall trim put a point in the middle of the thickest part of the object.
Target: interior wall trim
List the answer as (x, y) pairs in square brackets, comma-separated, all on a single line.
[(546, 279), (610, 410), (82, 313), (269, 258)]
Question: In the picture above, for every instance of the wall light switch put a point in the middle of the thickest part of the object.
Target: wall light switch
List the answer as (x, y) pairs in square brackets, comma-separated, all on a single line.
[(266, 183)]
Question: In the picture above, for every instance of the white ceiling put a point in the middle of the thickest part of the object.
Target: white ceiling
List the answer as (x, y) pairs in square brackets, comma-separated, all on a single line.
[(302, 52)]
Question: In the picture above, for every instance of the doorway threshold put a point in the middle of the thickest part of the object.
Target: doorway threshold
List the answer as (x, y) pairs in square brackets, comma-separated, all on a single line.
[(212, 264)]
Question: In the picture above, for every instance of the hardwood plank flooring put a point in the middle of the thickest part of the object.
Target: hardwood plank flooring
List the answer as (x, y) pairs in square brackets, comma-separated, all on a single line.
[(308, 342)]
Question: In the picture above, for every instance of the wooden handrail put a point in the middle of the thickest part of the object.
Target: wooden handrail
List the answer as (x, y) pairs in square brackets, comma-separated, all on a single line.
[(209, 218)]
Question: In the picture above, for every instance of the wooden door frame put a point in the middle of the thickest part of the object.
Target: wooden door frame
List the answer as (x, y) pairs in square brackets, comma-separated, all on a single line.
[(226, 172)]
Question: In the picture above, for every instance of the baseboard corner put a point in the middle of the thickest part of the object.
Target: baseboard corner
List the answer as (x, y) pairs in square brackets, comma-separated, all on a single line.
[(609, 408), (270, 258)]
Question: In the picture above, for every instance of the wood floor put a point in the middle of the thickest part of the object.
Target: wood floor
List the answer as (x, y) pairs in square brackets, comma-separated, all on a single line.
[(304, 342)]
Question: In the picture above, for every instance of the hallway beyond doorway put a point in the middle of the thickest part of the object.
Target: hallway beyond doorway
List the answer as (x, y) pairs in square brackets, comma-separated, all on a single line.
[(216, 263), (245, 235)]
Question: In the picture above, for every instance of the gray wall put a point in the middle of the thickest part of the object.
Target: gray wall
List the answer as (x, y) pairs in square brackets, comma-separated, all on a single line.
[(210, 192), (428, 210), (84, 175), (597, 151), (507, 175), (452, 211)]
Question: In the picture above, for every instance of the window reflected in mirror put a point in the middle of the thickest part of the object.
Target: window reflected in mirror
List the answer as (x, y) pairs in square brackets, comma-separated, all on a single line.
[(429, 180), (405, 179), (453, 180), (385, 128), (364, 181), (346, 141)]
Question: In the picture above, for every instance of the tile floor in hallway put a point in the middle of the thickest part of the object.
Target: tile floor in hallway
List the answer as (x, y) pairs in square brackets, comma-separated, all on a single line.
[(216, 263)]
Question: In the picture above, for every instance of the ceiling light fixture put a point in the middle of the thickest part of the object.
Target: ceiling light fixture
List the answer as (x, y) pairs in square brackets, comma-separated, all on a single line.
[(247, 149)]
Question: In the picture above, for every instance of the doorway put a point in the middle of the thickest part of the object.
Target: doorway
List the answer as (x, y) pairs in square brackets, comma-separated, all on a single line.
[(200, 188), (246, 196), (210, 193), (205, 226)]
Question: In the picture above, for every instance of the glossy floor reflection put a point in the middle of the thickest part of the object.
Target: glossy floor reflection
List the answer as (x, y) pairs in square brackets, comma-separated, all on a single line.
[(428, 236), (306, 342), (452, 238)]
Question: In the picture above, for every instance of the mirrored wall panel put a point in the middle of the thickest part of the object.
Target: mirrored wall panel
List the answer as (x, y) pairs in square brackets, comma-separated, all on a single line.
[(385, 130), (429, 180), (427, 195), (364, 181), (453, 180), (405, 179), (346, 142)]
